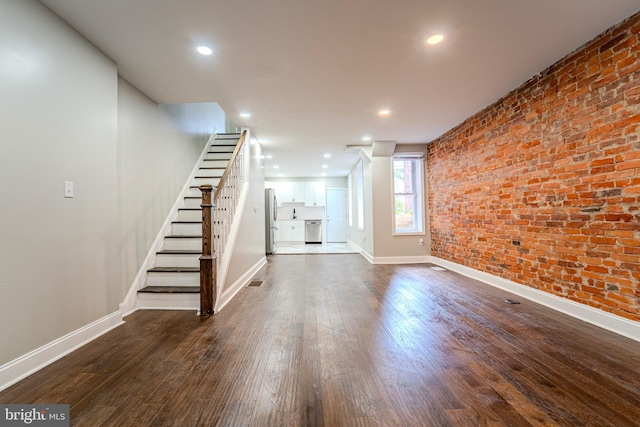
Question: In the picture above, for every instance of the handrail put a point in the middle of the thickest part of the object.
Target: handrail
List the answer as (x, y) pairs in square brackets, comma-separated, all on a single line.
[(216, 225), (227, 171)]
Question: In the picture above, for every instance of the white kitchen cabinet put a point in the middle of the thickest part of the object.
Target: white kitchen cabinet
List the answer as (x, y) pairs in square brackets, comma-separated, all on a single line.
[(289, 192), (309, 193), (297, 192), (314, 194), (290, 230), (284, 191)]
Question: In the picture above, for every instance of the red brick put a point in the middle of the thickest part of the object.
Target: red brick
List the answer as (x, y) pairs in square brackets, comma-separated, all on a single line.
[(554, 164)]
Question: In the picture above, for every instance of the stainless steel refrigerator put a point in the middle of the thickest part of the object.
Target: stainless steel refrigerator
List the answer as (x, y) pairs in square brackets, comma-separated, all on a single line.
[(271, 211)]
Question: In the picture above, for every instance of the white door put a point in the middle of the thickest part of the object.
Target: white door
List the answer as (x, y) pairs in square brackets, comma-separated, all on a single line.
[(336, 215)]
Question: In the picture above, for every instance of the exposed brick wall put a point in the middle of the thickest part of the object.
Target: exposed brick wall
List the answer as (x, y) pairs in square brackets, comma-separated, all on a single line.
[(543, 187)]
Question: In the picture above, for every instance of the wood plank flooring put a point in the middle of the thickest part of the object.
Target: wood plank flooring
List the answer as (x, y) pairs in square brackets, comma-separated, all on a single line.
[(330, 340)]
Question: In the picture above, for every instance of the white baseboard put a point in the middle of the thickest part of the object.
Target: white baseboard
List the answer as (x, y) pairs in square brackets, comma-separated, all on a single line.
[(239, 284), (421, 259), (25, 365), (608, 321), (362, 251)]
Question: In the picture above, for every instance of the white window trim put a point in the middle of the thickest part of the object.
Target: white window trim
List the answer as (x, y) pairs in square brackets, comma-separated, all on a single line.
[(350, 199), (394, 231), (360, 194)]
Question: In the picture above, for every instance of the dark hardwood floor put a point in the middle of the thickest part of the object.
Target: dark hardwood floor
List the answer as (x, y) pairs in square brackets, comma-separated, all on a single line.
[(330, 340)]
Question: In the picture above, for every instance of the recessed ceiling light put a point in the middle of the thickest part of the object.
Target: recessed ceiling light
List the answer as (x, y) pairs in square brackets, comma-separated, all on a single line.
[(325, 166), (204, 50), (435, 39), (384, 112), (245, 115), (269, 156), (276, 167), (327, 156), (366, 138)]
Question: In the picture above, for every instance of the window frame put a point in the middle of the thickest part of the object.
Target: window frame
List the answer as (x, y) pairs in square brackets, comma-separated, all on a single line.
[(419, 197), (360, 194)]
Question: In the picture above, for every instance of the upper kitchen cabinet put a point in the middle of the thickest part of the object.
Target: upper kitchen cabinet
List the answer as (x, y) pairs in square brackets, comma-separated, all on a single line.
[(289, 192), (314, 194), (297, 192), (309, 193)]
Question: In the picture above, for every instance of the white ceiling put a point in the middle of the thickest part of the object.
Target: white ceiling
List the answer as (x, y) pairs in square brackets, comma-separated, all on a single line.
[(314, 73)]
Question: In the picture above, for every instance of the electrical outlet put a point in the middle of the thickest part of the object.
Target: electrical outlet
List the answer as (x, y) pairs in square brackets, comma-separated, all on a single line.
[(68, 189), (421, 242)]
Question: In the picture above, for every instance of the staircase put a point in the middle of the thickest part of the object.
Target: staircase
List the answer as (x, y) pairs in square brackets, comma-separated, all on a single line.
[(174, 280)]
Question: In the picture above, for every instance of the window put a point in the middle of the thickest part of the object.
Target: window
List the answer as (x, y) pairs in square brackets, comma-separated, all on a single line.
[(350, 189), (360, 194), (407, 192)]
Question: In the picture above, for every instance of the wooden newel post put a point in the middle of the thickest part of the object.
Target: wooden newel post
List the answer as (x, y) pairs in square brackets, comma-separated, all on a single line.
[(207, 260)]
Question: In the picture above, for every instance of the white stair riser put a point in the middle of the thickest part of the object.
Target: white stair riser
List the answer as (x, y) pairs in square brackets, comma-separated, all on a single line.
[(183, 244), (211, 181), (221, 149), (177, 260), (215, 163), (184, 215), (179, 229), (156, 278), (153, 301), (195, 192), (192, 203), (218, 156), (216, 173)]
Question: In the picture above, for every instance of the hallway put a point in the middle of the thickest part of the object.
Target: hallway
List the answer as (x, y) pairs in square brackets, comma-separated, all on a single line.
[(335, 341)]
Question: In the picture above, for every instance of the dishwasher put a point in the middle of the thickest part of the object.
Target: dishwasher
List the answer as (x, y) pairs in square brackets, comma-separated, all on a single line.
[(312, 231)]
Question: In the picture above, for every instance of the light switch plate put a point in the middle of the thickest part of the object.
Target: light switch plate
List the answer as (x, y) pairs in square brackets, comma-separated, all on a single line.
[(68, 189)]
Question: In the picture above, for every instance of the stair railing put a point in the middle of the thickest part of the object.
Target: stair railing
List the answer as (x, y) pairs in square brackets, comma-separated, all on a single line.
[(207, 260), (226, 197), (225, 201)]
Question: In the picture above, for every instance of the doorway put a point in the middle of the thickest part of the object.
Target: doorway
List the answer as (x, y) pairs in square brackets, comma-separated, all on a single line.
[(336, 220)]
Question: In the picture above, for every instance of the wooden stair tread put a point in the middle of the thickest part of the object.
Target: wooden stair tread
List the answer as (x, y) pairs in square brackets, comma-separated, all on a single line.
[(190, 209), (174, 270), (180, 252), (186, 222), (170, 289), (182, 236)]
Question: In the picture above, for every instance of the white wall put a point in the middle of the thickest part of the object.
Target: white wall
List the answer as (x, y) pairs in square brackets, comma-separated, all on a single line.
[(59, 262), (65, 116), (197, 118), (250, 243), (363, 238), (158, 146)]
